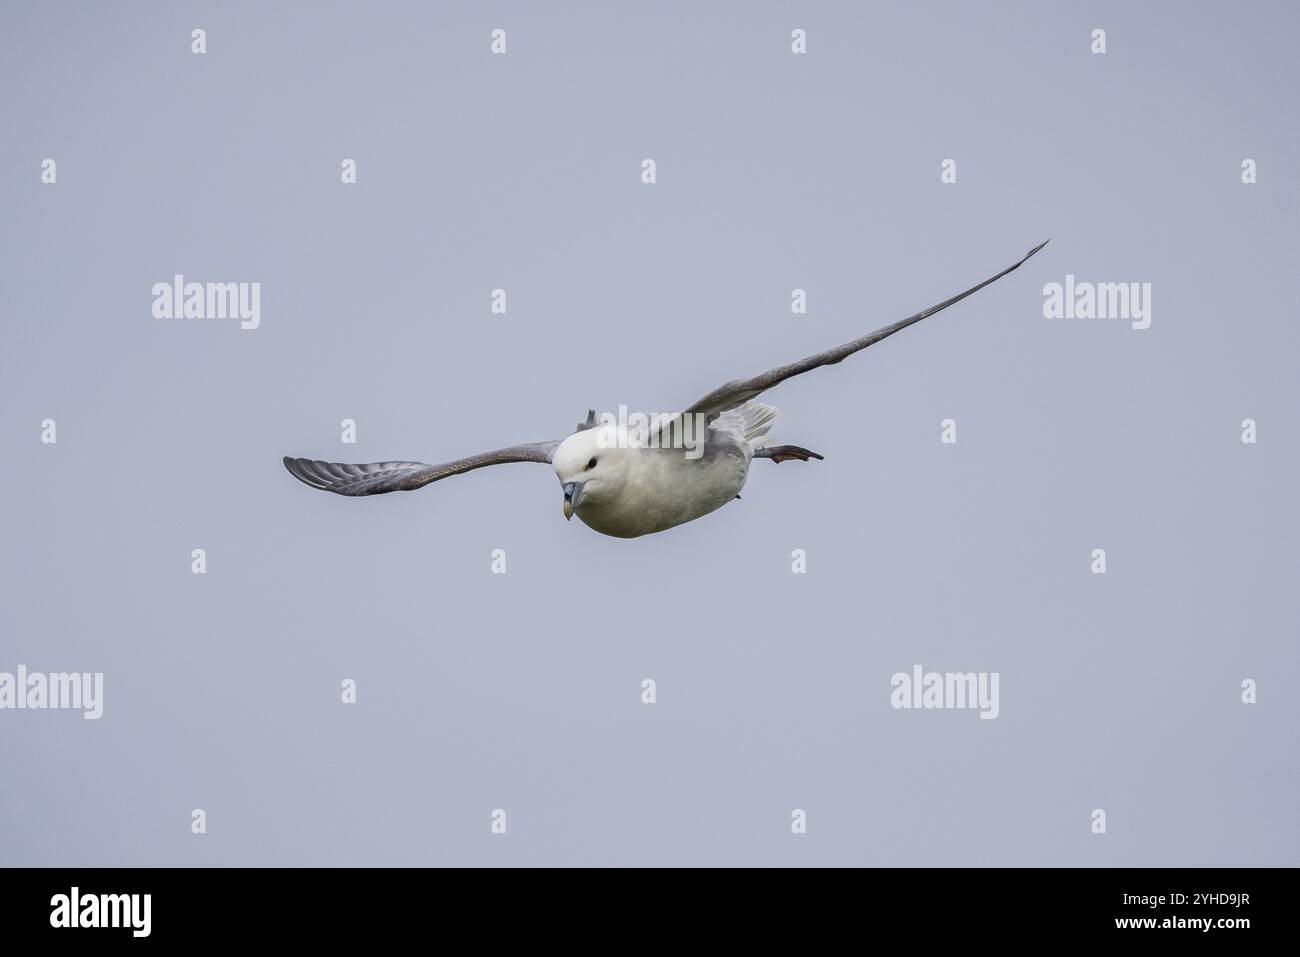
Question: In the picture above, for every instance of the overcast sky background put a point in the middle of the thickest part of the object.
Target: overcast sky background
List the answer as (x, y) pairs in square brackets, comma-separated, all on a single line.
[(522, 691)]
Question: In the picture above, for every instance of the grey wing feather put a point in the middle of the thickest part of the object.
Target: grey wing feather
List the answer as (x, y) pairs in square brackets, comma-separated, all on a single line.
[(377, 478), (731, 394)]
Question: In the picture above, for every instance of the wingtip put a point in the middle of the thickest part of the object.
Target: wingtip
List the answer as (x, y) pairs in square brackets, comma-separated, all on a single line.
[(301, 469), (295, 468), (1037, 248)]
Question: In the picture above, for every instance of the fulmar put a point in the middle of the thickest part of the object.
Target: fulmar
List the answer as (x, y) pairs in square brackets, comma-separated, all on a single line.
[(639, 475)]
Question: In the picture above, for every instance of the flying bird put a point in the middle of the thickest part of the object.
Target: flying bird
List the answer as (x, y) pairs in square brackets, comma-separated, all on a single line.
[(630, 480)]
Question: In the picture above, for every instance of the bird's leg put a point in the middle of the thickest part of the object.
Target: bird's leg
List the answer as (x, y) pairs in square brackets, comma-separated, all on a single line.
[(784, 453)]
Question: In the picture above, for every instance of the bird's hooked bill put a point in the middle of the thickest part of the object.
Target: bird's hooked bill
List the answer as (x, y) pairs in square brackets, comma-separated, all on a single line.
[(572, 496)]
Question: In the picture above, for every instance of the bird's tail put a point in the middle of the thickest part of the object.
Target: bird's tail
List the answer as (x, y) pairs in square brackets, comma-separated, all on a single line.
[(756, 420)]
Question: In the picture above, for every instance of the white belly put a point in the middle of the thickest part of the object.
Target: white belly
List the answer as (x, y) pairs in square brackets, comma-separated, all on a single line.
[(670, 490)]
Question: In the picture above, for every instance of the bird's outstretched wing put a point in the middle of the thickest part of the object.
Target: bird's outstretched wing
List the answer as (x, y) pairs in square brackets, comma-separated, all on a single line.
[(734, 393), (379, 477)]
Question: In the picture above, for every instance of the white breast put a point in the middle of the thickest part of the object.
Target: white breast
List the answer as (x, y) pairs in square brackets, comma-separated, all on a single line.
[(668, 489)]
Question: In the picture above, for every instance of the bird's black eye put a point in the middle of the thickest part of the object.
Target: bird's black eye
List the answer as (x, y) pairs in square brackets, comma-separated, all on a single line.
[(591, 464)]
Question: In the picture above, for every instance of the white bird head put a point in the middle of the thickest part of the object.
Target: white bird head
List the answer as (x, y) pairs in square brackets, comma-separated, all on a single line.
[(593, 467)]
